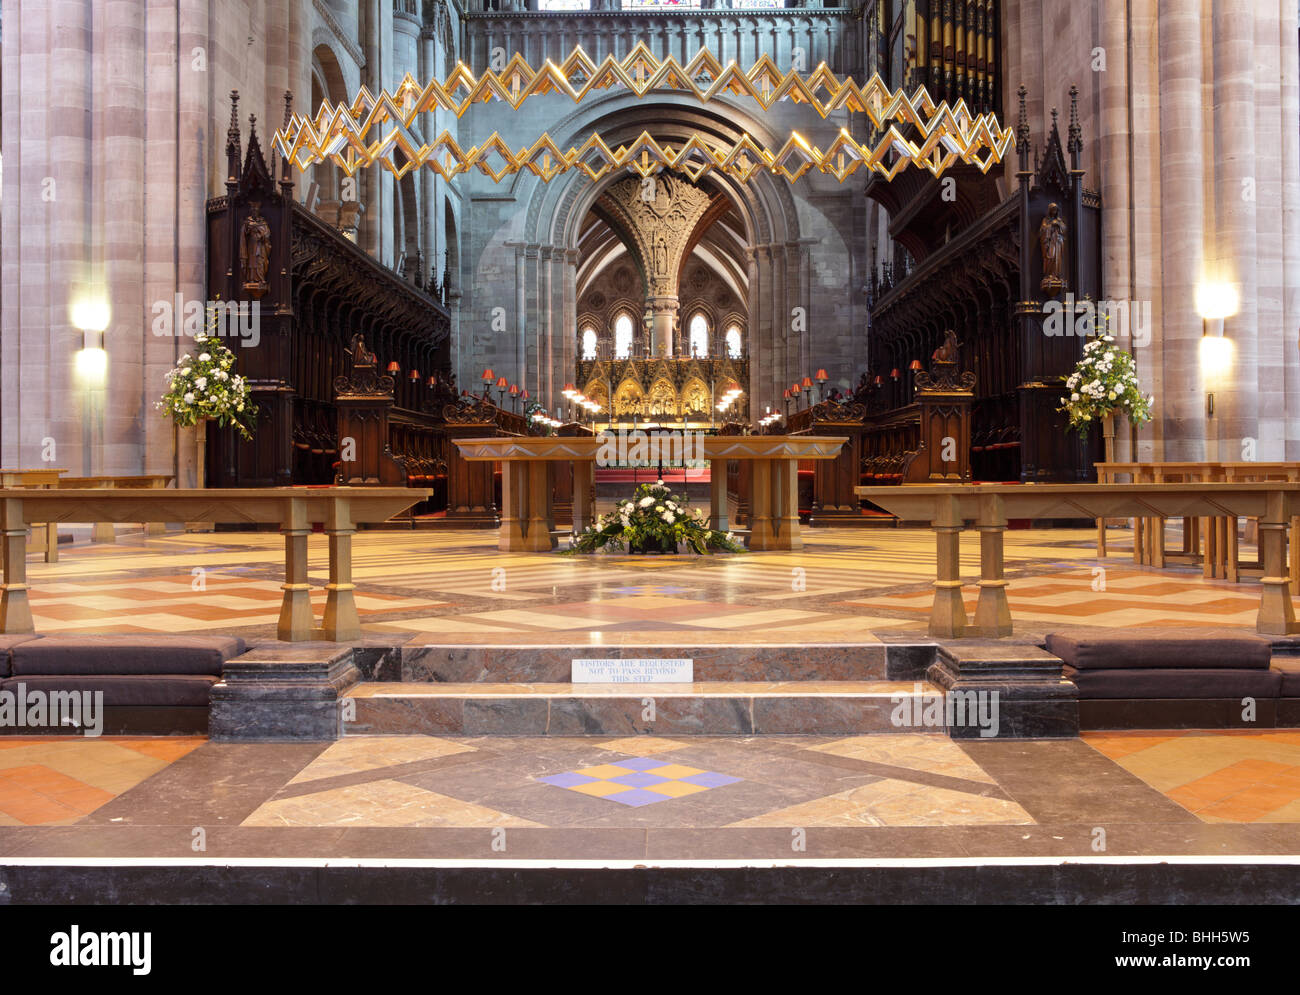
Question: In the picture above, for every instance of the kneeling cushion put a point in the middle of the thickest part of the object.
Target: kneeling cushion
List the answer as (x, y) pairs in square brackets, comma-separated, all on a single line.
[(7, 643), (1144, 649), (125, 654), (1289, 668), (1190, 683), (151, 689)]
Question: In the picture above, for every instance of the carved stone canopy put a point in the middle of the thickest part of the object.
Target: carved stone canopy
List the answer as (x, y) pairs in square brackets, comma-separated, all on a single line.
[(658, 215)]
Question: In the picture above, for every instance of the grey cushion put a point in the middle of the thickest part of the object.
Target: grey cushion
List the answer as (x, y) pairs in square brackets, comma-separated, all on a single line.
[(1119, 649), (125, 654), (7, 643), (1289, 668), (1169, 683), (151, 689)]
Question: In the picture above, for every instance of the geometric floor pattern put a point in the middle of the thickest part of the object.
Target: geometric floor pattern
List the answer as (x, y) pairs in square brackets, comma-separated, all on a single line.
[(909, 794), (57, 781), (456, 587), (1220, 777), (639, 781)]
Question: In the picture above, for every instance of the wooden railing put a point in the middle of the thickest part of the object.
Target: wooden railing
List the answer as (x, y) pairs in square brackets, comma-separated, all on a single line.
[(294, 509), (949, 507)]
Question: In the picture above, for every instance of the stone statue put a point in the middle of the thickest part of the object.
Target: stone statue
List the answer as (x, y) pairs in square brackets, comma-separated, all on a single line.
[(1051, 239), (255, 251)]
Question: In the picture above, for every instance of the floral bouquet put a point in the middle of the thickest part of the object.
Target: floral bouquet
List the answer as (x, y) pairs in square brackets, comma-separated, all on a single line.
[(205, 387), (654, 520), (1105, 381)]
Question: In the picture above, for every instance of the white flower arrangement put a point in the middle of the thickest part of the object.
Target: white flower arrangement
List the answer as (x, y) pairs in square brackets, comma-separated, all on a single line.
[(205, 387), (1104, 381)]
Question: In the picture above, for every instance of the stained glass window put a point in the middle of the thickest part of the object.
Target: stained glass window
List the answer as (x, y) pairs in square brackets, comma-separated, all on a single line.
[(622, 337), (699, 337), (733, 342), (589, 343), (564, 4), (756, 4)]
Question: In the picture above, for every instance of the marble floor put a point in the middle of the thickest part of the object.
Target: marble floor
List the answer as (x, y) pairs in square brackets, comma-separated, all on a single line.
[(455, 587), (914, 795)]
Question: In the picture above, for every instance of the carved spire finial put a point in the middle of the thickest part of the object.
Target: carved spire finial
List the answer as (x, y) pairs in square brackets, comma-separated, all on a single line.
[(232, 133), (233, 152), (1075, 134), (1022, 127), (288, 106)]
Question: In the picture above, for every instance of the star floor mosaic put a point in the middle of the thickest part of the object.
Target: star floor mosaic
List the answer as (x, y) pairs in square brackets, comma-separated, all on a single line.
[(639, 781)]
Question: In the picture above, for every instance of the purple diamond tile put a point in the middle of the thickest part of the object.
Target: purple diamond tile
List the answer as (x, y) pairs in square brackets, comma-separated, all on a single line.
[(640, 763), (566, 780), (636, 797), (709, 779), (638, 779)]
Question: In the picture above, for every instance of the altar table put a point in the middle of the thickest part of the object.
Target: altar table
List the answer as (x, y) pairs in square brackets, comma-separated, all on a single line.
[(527, 508)]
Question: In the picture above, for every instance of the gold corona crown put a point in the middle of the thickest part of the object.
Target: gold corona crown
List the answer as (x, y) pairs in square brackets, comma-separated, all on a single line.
[(378, 129)]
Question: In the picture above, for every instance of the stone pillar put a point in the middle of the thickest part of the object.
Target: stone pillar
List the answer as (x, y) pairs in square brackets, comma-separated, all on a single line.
[(1182, 118), (1233, 249)]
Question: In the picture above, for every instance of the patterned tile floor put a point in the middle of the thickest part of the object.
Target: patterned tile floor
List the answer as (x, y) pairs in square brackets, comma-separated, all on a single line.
[(454, 586), (886, 795)]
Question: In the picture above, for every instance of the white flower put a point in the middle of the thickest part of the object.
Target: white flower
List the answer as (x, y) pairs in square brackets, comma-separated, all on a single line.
[(189, 397), (669, 517), (646, 502), (222, 375), (659, 507), (1111, 395), (185, 371), (201, 383), (204, 357)]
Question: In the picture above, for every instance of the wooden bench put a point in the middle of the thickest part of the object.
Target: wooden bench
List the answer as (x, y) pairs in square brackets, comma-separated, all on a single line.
[(1220, 558), (294, 509)]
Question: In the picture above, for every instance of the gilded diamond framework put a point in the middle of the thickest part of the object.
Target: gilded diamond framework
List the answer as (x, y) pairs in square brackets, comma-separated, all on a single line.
[(373, 129)]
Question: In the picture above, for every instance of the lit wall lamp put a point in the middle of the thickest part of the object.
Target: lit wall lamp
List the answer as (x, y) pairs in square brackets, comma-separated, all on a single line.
[(1215, 302), (91, 315)]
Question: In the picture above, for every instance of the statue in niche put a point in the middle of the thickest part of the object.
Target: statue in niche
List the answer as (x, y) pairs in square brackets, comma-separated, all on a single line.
[(1051, 239), (361, 356), (255, 251)]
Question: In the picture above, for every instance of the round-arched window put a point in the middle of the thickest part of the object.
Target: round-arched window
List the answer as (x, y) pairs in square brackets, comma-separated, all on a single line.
[(589, 343), (699, 336), (622, 337), (733, 342)]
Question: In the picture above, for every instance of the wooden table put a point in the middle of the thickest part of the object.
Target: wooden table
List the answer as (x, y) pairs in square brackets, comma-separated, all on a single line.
[(104, 531), (43, 477), (294, 509), (527, 507), (949, 507)]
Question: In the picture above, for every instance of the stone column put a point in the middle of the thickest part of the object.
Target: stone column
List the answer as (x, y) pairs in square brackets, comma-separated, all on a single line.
[(663, 310), (1234, 244), (1289, 154), (1182, 118)]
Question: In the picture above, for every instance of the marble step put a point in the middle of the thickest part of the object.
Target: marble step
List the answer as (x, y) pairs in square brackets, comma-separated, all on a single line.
[(711, 708), (535, 664)]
